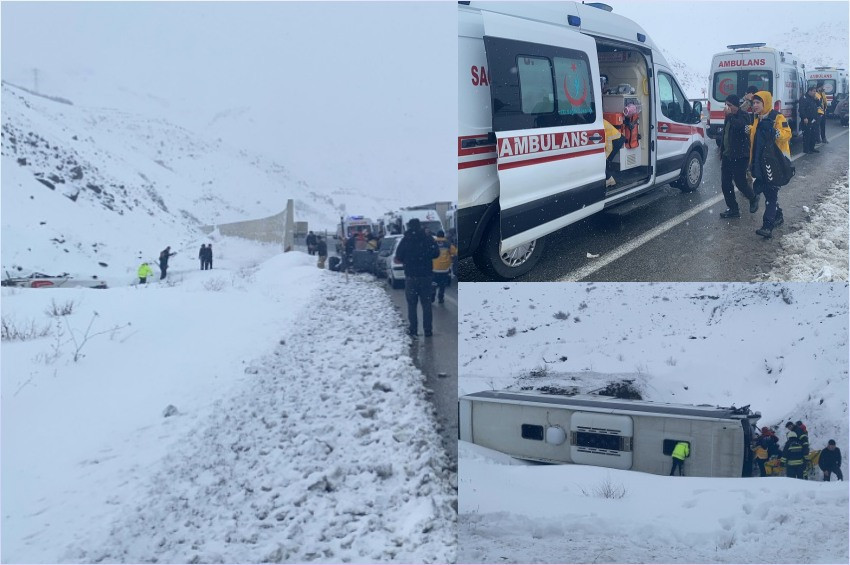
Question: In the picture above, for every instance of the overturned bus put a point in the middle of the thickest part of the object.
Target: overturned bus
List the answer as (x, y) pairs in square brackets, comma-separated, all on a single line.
[(610, 432)]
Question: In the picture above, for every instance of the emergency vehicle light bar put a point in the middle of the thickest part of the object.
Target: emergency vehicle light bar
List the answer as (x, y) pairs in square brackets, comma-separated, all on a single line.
[(745, 45)]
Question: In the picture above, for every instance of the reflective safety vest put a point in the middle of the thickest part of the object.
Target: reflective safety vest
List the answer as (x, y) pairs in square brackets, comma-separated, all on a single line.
[(443, 263), (145, 271), (681, 450)]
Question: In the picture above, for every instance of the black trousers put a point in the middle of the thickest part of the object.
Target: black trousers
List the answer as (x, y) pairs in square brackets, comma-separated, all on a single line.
[(442, 280), (794, 471), (417, 291), (762, 470), (734, 170), (822, 120), (616, 145), (771, 202), (163, 267), (680, 464), (810, 133), (827, 473)]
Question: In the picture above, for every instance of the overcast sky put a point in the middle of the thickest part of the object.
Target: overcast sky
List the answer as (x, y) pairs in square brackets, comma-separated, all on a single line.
[(324, 86), (695, 30)]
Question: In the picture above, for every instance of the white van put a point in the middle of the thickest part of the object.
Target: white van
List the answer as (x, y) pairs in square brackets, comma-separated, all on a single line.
[(531, 141), (766, 68), (396, 222), (834, 85)]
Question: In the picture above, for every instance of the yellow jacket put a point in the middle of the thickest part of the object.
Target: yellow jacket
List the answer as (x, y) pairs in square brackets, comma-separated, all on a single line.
[(443, 263), (821, 102), (780, 125), (145, 271), (611, 133), (681, 451)]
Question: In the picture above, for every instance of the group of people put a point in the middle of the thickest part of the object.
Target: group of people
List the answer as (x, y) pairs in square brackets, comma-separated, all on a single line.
[(205, 255), (750, 126), (793, 454), (812, 112)]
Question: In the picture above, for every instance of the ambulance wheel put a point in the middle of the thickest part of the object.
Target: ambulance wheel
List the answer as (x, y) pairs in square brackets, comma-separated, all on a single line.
[(511, 264), (691, 176)]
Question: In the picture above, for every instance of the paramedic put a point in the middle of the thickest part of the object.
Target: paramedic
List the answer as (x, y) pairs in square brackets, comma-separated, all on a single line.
[(734, 155), (830, 462), (442, 266), (769, 126), (809, 115), (680, 453), (792, 456), (822, 104), (613, 142)]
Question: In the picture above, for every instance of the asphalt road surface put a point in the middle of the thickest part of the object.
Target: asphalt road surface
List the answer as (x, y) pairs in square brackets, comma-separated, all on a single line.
[(672, 236), (436, 357)]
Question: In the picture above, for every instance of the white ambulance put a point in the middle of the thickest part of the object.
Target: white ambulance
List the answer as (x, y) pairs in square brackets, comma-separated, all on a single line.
[(531, 140), (755, 64), (834, 85)]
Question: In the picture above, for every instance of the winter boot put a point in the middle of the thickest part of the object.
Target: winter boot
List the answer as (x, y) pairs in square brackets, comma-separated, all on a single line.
[(780, 219), (765, 231), (730, 213)]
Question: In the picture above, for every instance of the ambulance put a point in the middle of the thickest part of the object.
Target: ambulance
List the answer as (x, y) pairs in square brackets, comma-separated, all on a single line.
[(766, 68), (531, 139), (834, 85)]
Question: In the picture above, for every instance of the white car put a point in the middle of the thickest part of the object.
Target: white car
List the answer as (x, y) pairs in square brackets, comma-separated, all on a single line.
[(395, 268), (40, 280), (385, 255)]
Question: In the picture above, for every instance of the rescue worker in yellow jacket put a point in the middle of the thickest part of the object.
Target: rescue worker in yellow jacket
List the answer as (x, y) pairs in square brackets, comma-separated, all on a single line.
[(144, 272), (681, 452), (613, 143), (769, 126), (442, 266), (822, 105)]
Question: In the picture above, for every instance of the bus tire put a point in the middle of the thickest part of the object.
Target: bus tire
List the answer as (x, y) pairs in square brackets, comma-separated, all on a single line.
[(513, 264), (691, 176)]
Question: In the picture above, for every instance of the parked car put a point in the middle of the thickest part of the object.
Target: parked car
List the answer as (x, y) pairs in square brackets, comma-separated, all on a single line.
[(40, 280), (842, 110), (385, 252), (395, 268)]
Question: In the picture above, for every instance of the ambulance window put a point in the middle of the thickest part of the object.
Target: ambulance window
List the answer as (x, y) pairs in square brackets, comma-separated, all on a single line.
[(725, 84), (760, 79), (674, 105), (535, 85), (575, 88)]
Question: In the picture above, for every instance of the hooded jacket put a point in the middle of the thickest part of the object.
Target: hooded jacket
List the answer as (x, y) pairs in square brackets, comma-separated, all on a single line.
[(766, 135), (681, 451)]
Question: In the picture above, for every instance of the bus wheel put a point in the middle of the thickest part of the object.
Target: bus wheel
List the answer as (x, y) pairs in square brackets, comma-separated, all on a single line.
[(510, 264), (691, 173)]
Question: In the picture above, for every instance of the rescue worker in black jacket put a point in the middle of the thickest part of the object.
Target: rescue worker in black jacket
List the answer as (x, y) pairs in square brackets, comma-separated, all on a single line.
[(808, 111), (830, 461), (792, 456), (416, 251), (735, 156)]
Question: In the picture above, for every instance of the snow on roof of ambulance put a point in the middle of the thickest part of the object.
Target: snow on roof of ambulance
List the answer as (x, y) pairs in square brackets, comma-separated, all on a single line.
[(594, 20)]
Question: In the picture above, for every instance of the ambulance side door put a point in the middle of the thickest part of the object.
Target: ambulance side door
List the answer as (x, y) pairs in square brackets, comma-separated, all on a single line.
[(547, 119), (675, 128)]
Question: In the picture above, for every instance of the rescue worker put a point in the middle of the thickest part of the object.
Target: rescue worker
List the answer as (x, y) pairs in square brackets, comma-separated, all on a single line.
[(762, 450), (321, 251), (442, 266), (311, 243), (822, 105), (830, 461), (769, 126), (144, 272), (734, 157), (680, 453), (416, 251), (802, 435), (792, 455), (163, 261), (809, 114), (613, 142)]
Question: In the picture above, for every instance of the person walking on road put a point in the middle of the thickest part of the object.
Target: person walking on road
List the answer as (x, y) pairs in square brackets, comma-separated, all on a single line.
[(416, 251), (144, 272), (163, 261), (681, 452), (442, 266), (734, 157), (830, 462), (769, 126), (808, 112), (321, 251)]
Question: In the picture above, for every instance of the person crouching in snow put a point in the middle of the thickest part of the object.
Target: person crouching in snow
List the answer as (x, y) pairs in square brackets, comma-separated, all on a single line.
[(144, 272), (769, 126)]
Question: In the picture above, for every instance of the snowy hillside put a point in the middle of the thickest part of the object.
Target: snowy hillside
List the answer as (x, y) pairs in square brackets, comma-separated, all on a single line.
[(692, 80), (823, 45), (780, 348)]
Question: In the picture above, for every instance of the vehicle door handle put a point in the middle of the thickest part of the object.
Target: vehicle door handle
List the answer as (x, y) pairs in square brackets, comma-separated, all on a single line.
[(663, 128)]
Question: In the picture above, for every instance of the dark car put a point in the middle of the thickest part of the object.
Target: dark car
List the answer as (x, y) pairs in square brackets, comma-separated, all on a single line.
[(842, 110)]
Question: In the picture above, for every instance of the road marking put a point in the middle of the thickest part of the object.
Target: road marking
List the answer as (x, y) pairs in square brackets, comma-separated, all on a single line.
[(627, 248)]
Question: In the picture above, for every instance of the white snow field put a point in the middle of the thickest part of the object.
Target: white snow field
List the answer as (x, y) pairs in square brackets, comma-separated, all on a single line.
[(302, 430), (782, 348)]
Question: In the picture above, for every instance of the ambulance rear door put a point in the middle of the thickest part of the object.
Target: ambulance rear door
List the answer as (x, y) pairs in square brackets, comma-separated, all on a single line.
[(547, 119)]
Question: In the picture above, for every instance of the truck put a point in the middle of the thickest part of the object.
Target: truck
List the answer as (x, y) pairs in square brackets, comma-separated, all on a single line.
[(584, 429)]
